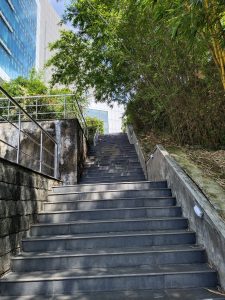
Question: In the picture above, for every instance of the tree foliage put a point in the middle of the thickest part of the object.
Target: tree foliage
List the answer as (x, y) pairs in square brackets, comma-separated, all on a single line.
[(163, 58), (48, 106)]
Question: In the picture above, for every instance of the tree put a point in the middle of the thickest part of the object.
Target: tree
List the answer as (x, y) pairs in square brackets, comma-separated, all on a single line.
[(155, 57)]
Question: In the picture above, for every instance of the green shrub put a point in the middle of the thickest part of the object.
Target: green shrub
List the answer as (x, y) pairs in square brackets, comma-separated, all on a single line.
[(94, 125)]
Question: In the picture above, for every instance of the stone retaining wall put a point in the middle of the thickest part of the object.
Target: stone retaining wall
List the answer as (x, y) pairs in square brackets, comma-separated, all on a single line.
[(22, 193)]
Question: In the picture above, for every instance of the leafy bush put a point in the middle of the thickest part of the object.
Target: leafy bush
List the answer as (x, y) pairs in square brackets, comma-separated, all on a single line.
[(94, 125), (48, 107)]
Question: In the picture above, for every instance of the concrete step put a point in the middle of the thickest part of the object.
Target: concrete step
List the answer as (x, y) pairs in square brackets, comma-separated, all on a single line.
[(113, 194), (109, 240), (112, 151), (144, 185), (115, 145), (114, 203), (85, 180), (107, 214), (115, 167), (107, 259), (162, 294), (110, 179), (110, 279), (112, 172), (111, 155), (114, 156), (110, 160), (116, 225), (123, 163), (106, 171)]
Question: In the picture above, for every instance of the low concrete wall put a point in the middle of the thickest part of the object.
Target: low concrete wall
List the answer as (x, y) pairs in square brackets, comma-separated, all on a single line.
[(210, 229), (133, 140), (22, 193)]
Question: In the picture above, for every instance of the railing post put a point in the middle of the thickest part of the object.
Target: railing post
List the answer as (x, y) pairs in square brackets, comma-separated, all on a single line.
[(41, 152), (8, 108), (56, 161), (64, 107), (18, 139), (36, 109)]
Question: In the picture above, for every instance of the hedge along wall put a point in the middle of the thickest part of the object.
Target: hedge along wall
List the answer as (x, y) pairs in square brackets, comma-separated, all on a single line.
[(22, 193)]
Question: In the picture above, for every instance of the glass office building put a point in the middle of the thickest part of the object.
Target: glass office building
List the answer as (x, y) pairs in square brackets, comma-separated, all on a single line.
[(101, 115), (18, 30)]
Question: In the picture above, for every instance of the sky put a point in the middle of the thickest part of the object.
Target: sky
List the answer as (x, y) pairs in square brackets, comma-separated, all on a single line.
[(59, 5)]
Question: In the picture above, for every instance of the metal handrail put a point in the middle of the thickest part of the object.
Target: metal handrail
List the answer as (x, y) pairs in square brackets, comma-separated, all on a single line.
[(26, 113), (39, 96), (19, 112), (65, 112)]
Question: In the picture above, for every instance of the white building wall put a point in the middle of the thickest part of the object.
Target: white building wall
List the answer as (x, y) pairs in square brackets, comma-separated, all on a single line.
[(49, 32), (115, 114)]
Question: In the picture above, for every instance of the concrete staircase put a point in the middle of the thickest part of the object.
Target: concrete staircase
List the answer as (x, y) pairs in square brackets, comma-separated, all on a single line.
[(114, 159), (111, 241)]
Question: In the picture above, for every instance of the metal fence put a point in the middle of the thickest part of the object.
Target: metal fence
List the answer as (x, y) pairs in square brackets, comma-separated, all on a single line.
[(48, 107), (23, 140)]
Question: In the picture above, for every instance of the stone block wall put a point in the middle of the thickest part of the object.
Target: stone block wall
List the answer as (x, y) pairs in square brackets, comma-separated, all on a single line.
[(22, 193)]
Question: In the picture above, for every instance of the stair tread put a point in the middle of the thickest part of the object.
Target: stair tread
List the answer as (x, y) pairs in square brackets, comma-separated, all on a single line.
[(144, 181), (109, 209), (110, 235), (164, 294), (108, 191), (110, 251), (110, 272), (109, 199), (110, 221)]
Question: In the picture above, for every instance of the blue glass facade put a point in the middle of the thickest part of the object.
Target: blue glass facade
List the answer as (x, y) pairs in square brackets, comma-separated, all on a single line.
[(101, 115), (18, 29)]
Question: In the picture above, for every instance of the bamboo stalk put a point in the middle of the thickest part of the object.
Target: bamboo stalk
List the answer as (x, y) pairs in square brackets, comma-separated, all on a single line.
[(214, 31)]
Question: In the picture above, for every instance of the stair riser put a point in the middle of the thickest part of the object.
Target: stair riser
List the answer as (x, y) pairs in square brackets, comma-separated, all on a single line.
[(109, 214), (108, 242), (71, 286), (108, 227), (111, 195), (107, 261), (105, 187), (104, 204)]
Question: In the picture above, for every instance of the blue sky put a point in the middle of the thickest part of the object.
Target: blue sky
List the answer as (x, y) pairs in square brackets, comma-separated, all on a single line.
[(59, 5)]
